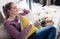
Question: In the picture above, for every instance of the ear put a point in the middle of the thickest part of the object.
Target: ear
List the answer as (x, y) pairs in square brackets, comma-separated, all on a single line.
[(8, 10)]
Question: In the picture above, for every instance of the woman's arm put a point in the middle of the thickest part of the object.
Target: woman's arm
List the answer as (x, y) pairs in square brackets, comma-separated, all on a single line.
[(24, 33), (12, 30), (25, 12), (15, 33)]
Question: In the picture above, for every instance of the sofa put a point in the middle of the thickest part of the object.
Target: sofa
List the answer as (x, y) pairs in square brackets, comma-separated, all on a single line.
[(3, 33)]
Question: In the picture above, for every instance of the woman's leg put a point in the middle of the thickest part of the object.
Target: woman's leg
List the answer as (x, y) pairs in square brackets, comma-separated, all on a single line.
[(48, 32), (52, 34)]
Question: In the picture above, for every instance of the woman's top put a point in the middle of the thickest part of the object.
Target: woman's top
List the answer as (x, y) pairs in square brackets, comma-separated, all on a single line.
[(14, 29)]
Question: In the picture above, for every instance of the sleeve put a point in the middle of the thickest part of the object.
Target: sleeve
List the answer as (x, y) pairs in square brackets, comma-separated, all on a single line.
[(15, 33), (25, 12), (25, 32)]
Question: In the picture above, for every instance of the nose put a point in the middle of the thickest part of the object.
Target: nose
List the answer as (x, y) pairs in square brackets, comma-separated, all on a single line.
[(17, 9)]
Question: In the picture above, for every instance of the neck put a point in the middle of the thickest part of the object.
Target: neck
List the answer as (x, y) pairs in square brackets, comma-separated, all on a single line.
[(12, 17)]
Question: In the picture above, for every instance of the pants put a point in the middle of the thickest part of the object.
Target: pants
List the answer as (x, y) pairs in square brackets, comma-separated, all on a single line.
[(48, 32)]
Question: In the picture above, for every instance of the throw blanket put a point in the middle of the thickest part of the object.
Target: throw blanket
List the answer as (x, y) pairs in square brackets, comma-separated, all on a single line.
[(24, 23)]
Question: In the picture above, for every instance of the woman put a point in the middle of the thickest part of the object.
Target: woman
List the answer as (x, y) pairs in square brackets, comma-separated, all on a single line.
[(12, 26)]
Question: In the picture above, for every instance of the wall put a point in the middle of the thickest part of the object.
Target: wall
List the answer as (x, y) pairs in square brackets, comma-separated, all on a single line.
[(48, 2)]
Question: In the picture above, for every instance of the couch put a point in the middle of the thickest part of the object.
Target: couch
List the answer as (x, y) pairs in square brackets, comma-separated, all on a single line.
[(3, 33)]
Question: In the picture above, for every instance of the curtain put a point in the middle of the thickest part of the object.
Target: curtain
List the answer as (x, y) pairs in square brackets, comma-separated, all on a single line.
[(57, 2)]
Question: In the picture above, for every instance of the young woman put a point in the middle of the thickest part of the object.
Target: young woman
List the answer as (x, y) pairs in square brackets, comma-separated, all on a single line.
[(12, 26)]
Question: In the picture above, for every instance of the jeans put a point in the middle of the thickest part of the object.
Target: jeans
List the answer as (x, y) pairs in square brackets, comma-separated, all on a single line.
[(48, 32)]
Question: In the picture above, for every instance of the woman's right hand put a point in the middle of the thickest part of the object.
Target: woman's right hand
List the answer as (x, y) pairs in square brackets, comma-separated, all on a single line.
[(24, 33)]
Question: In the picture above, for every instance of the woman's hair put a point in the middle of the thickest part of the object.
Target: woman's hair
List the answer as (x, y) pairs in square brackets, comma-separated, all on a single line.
[(6, 8)]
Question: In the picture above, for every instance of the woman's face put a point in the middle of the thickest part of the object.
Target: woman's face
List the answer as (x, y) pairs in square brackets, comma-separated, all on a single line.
[(13, 9)]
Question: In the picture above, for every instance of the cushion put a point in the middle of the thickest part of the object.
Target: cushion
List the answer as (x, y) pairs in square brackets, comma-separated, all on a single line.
[(25, 22), (4, 34)]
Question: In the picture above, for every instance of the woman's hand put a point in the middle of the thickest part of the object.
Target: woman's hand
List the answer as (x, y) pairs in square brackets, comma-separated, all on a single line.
[(24, 33), (22, 12)]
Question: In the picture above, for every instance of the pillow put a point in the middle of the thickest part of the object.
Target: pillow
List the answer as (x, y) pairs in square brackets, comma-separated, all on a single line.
[(25, 22)]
